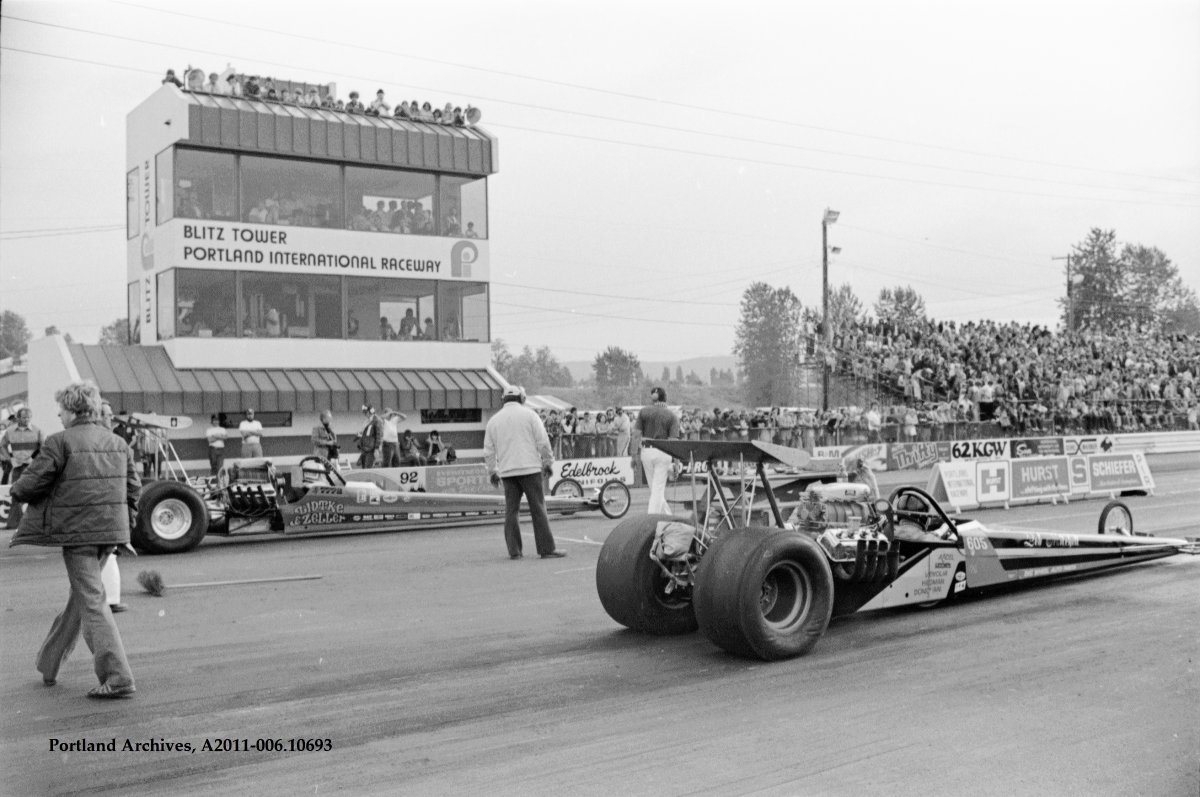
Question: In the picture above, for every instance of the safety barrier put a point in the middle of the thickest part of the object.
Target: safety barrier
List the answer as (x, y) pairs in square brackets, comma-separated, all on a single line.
[(968, 484)]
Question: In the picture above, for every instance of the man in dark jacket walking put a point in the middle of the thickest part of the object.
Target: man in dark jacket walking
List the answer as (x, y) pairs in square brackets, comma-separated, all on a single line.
[(82, 489)]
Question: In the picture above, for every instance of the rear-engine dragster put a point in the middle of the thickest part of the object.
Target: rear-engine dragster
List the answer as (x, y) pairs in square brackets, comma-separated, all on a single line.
[(769, 591), (255, 497)]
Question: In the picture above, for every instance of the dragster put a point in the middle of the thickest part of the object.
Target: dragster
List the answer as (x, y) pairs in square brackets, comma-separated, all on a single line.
[(769, 591), (253, 496)]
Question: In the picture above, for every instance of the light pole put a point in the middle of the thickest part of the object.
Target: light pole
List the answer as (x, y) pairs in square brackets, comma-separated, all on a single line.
[(1070, 300), (830, 217)]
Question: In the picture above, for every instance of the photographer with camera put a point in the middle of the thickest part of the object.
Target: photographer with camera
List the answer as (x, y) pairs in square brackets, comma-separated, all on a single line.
[(325, 444)]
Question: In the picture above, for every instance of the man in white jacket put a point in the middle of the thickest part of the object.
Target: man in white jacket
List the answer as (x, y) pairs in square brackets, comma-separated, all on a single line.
[(516, 450)]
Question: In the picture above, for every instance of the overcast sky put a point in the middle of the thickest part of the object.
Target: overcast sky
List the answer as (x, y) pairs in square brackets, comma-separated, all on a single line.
[(656, 158)]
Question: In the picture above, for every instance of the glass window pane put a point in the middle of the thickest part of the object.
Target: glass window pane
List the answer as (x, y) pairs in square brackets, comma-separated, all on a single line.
[(463, 206), (392, 309), (463, 310), (163, 165), (166, 304), (205, 187), (290, 306), (206, 303), (389, 200), (299, 193), (131, 204), (135, 312)]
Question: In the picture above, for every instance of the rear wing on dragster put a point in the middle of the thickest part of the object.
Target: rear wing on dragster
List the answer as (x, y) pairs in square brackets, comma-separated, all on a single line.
[(754, 451), (758, 453)]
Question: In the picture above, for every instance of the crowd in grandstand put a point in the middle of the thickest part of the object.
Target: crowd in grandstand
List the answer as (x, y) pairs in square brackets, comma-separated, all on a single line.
[(230, 83), (949, 381), (1020, 375)]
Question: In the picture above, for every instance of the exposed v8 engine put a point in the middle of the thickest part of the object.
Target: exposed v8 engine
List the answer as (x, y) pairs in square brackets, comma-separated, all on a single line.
[(853, 533)]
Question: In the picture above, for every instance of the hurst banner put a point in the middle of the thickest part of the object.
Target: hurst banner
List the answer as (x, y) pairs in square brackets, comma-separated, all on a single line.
[(1038, 478), (974, 483)]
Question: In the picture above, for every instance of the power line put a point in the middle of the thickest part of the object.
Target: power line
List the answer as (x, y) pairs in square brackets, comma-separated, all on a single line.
[(655, 100), (78, 60), (847, 173), (672, 322), (595, 295), (668, 127), (5, 236), (61, 229)]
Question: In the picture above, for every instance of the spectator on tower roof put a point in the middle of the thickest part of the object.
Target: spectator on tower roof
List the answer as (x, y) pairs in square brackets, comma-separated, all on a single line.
[(379, 105)]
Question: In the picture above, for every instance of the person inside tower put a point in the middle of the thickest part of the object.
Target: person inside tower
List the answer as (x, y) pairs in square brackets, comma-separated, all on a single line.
[(379, 217), (408, 325)]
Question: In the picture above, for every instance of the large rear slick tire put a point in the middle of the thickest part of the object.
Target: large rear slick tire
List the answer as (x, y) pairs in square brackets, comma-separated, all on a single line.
[(172, 518), (764, 593), (631, 585)]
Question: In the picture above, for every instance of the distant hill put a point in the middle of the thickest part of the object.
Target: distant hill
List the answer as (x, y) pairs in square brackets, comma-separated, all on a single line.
[(581, 370)]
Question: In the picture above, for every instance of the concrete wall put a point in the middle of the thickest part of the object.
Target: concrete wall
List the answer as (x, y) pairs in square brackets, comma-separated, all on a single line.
[(50, 370)]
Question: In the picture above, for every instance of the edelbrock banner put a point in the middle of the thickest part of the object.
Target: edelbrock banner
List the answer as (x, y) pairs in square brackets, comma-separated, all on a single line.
[(595, 472)]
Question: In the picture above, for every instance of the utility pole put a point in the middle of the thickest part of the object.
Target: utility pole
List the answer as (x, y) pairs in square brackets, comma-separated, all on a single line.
[(1070, 300), (830, 217)]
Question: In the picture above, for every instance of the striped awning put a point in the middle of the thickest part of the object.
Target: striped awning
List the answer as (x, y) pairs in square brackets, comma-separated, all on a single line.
[(250, 125), (143, 379)]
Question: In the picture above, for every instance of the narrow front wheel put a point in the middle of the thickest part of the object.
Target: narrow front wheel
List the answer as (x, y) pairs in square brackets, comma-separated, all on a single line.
[(614, 499), (1115, 518)]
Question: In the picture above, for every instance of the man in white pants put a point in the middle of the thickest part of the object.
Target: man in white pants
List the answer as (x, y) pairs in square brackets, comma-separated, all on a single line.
[(657, 422)]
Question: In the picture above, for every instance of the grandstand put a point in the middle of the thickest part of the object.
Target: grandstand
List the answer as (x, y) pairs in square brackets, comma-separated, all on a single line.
[(1019, 375)]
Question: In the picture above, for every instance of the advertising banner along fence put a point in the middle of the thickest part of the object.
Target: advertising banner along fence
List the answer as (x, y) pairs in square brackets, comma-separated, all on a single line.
[(970, 484)]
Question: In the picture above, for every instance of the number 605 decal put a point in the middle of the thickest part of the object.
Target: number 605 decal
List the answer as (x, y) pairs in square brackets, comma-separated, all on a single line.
[(975, 542)]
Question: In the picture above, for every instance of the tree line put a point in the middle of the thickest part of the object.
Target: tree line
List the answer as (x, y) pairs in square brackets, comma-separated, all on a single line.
[(1107, 285)]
